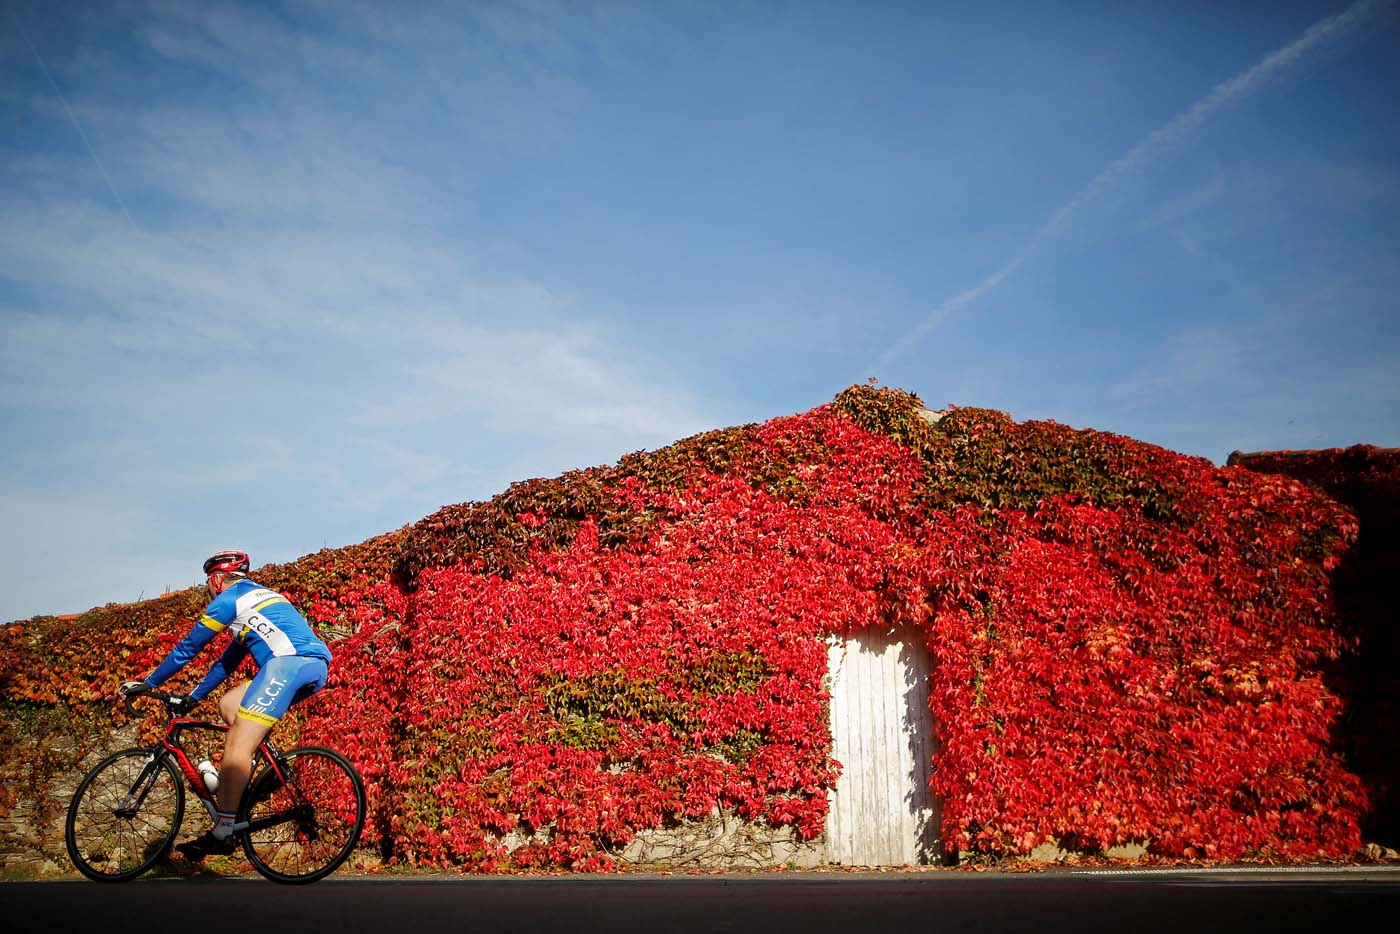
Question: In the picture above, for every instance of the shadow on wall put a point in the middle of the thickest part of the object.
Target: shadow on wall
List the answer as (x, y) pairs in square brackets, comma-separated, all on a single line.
[(1367, 480), (920, 800)]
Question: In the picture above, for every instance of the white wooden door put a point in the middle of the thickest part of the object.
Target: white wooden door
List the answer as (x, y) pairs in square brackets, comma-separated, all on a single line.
[(882, 812)]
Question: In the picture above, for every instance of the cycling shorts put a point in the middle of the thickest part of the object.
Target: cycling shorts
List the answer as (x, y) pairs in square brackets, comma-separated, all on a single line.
[(282, 682)]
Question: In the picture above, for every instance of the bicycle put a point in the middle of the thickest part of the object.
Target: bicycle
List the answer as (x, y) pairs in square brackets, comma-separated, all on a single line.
[(299, 819)]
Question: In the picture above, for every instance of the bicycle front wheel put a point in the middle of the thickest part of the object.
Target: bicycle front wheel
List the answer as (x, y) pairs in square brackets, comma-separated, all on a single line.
[(302, 829), (124, 815)]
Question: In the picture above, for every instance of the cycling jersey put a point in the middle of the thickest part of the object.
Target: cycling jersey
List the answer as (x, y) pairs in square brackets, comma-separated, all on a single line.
[(263, 623)]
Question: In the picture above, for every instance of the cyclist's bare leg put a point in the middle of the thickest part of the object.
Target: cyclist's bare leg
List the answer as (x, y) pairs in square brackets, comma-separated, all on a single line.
[(228, 704), (239, 747)]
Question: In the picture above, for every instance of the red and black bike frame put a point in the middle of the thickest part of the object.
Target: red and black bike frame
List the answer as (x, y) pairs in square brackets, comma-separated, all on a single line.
[(171, 742)]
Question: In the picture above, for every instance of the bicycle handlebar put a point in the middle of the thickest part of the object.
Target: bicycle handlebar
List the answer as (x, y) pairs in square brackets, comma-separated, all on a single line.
[(129, 700)]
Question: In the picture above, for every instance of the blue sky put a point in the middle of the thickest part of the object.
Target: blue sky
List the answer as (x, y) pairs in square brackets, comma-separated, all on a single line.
[(282, 276)]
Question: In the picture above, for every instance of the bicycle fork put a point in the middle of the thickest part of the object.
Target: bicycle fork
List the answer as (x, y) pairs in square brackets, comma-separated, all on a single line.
[(131, 802)]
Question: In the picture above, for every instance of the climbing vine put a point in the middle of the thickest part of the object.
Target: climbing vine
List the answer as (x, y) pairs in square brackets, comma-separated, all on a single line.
[(1129, 643)]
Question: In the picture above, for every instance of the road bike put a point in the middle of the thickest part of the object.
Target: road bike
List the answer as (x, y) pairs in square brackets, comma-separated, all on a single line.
[(299, 819)]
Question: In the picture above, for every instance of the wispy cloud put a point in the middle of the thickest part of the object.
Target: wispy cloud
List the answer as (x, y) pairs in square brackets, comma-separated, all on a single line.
[(304, 321), (1242, 386), (1153, 146), (1180, 206), (384, 260), (51, 525), (72, 119)]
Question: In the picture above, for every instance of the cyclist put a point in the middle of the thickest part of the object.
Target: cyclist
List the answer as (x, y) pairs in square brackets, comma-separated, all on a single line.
[(292, 665)]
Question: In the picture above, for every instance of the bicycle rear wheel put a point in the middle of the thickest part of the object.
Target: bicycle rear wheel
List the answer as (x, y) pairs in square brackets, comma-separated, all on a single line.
[(301, 830), (124, 815)]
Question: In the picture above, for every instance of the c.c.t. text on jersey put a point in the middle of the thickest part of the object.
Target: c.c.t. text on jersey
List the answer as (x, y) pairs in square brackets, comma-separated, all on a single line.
[(263, 623)]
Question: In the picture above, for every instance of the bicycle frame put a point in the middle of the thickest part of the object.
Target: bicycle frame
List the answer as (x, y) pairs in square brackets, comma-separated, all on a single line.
[(172, 746)]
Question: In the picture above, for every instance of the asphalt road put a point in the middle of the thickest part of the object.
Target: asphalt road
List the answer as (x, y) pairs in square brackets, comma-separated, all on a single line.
[(937, 902)]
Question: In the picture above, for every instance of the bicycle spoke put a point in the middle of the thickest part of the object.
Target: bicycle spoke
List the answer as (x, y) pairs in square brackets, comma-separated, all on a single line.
[(304, 829), (120, 820)]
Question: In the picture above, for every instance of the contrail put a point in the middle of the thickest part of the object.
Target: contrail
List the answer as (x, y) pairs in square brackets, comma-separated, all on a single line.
[(72, 118), (1224, 94)]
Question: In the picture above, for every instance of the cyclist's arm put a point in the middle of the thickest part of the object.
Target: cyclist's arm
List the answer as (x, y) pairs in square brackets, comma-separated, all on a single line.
[(186, 649), (226, 665)]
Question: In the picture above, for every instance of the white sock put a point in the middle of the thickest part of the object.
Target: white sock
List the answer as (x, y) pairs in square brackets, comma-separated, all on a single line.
[(224, 828)]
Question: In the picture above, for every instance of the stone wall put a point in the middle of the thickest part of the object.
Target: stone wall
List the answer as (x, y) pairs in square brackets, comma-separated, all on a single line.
[(31, 831), (722, 841)]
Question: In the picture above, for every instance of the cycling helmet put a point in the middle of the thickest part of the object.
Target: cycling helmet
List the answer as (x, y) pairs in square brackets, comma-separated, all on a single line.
[(226, 562)]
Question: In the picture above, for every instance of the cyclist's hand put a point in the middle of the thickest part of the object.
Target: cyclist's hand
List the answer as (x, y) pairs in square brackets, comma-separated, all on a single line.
[(181, 703), (131, 689)]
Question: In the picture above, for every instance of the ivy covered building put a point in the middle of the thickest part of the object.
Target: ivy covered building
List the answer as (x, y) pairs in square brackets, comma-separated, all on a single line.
[(1063, 638)]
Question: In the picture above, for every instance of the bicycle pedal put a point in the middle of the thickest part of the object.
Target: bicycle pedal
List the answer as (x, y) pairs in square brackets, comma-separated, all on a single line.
[(207, 845)]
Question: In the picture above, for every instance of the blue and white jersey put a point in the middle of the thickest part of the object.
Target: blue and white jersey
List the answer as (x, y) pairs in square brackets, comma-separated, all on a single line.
[(263, 623)]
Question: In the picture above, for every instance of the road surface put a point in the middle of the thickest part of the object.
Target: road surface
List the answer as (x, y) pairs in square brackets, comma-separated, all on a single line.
[(1178, 901)]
